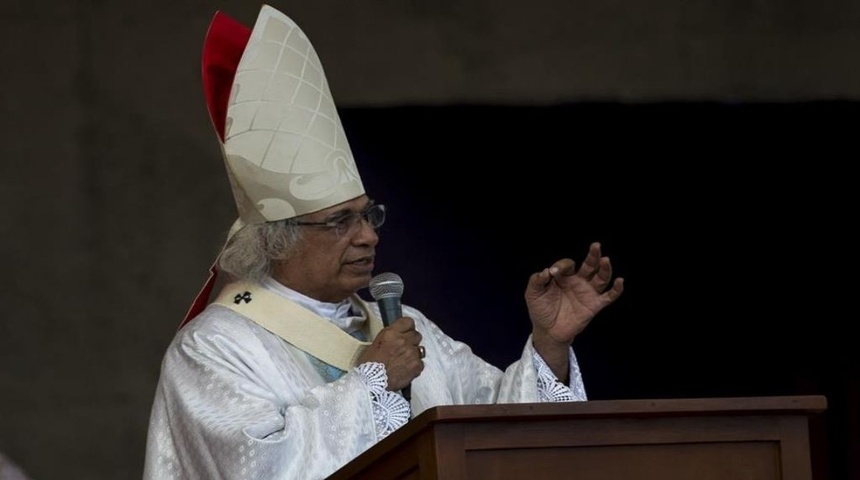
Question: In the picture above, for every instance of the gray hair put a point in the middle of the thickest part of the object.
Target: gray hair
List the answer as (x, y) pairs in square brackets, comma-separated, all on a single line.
[(251, 252)]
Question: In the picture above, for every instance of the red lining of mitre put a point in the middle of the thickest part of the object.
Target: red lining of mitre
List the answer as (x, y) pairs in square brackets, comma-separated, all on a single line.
[(223, 47)]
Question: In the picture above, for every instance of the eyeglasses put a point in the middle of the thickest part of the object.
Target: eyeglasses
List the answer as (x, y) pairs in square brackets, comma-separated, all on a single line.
[(347, 222)]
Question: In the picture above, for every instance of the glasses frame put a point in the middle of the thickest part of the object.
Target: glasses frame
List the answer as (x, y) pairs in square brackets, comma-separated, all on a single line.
[(348, 221)]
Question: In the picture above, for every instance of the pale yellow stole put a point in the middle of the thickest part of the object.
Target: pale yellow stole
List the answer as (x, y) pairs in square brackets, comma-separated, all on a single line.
[(297, 325)]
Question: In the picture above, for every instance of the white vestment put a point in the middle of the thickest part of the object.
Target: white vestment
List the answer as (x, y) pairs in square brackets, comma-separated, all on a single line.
[(235, 401)]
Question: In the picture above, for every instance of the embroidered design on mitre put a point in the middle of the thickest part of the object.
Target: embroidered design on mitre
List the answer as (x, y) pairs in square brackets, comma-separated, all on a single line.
[(285, 149)]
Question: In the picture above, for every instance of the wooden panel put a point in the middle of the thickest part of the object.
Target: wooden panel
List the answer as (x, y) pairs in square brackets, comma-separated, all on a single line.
[(721, 461), (611, 431), (450, 452), (796, 451), (690, 439), (400, 463)]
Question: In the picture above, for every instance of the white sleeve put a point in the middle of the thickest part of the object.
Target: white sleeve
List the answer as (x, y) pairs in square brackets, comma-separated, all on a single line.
[(224, 408), (551, 389), (468, 379), (390, 410)]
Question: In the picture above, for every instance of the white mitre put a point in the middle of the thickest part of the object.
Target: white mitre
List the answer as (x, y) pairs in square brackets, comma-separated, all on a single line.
[(285, 149)]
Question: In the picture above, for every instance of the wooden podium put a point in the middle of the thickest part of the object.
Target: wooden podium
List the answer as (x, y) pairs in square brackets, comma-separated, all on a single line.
[(757, 438)]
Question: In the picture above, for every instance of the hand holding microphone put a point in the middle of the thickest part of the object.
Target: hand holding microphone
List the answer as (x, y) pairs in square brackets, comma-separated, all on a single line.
[(397, 345)]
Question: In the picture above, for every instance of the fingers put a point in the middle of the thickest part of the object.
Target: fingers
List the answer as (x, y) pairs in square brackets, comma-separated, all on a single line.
[(595, 269), (602, 275), (403, 334), (614, 292), (406, 355), (591, 265), (403, 324), (538, 282), (397, 347)]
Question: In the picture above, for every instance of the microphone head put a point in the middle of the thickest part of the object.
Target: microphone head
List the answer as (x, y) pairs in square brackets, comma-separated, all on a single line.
[(386, 285)]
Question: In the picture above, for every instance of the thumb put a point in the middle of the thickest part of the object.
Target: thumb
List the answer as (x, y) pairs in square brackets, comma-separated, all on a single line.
[(538, 283)]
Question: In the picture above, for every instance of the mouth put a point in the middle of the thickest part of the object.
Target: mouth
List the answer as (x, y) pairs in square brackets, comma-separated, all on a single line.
[(362, 263)]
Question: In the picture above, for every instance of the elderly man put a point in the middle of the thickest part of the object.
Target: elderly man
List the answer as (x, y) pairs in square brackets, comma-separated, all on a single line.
[(288, 373)]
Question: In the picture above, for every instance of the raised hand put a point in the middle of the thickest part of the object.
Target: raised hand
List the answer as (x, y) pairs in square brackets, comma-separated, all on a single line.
[(562, 300)]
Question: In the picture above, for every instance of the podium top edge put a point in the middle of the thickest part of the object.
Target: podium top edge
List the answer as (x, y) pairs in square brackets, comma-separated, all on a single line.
[(787, 405)]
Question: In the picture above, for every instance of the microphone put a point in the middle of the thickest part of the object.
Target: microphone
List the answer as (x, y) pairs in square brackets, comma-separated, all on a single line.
[(386, 289)]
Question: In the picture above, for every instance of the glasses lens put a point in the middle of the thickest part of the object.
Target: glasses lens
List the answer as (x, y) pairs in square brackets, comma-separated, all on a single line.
[(375, 215)]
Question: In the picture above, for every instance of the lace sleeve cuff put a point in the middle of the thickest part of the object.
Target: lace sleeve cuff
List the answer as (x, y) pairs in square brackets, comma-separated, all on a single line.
[(550, 388), (390, 410)]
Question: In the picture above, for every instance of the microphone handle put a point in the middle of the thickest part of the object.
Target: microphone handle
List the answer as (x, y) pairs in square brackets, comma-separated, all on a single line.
[(390, 310)]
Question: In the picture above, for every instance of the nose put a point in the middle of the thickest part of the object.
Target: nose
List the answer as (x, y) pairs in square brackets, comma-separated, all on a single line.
[(366, 234)]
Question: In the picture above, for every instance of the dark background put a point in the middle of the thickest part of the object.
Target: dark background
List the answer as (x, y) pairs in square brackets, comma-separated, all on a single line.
[(707, 145), (729, 222)]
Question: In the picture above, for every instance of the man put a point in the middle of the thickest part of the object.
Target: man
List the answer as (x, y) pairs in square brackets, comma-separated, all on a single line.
[(288, 373)]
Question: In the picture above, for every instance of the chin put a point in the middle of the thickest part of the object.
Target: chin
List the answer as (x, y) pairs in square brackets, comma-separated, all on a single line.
[(355, 280), (364, 282)]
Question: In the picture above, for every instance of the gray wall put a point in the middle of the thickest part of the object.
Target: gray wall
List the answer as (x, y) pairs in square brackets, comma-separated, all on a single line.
[(115, 199)]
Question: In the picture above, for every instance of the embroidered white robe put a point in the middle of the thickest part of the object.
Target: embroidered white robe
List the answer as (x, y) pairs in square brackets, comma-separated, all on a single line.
[(235, 401)]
